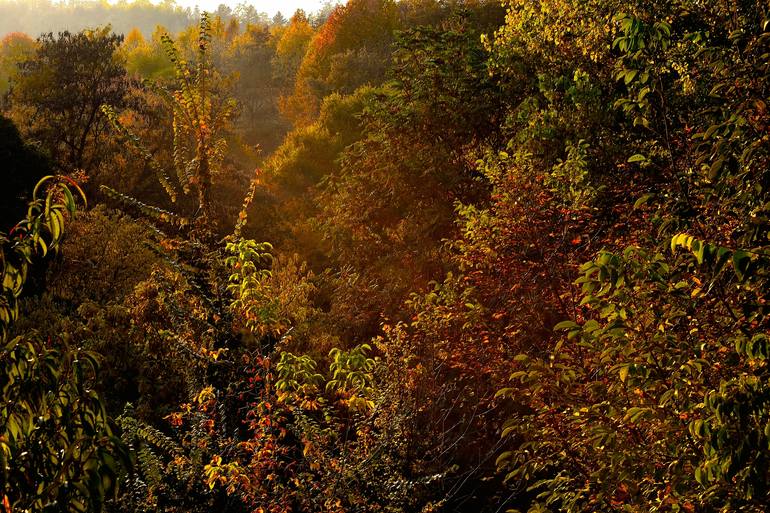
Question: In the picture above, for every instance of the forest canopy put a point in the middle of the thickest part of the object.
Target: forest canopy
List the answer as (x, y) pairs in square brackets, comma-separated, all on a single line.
[(386, 257)]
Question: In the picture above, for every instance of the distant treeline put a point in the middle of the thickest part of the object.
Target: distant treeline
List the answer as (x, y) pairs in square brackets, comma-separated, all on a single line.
[(35, 17)]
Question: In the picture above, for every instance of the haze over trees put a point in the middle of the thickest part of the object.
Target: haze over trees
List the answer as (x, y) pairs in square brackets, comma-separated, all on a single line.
[(35, 17), (392, 256)]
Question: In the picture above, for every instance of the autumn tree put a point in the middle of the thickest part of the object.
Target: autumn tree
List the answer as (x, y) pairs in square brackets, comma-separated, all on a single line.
[(14, 49), (351, 49), (145, 58), (292, 43), (59, 91)]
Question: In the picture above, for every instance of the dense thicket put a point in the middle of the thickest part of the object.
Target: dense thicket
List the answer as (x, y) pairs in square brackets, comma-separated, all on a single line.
[(397, 256)]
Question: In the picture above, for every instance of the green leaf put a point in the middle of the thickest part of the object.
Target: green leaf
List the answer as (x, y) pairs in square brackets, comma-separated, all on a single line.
[(623, 372), (635, 413), (566, 325), (741, 261), (503, 457), (642, 200), (723, 255), (715, 168), (630, 76)]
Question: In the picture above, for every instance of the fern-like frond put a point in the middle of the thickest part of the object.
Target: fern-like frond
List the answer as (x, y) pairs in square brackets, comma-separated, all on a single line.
[(148, 211)]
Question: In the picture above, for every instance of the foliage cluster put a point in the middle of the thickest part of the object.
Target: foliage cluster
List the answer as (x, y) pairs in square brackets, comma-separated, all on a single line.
[(518, 261)]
